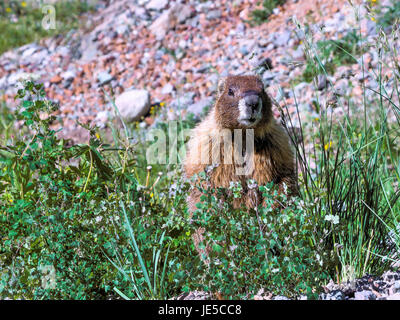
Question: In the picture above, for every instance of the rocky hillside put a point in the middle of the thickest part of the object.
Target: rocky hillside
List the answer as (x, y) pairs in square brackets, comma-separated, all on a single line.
[(173, 52)]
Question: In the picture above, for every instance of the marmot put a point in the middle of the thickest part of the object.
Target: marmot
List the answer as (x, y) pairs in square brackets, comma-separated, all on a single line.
[(241, 104)]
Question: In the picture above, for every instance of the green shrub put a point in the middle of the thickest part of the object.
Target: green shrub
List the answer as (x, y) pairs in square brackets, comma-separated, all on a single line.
[(274, 249), (61, 217)]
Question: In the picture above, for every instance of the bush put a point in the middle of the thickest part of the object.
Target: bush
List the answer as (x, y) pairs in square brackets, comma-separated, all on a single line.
[(61, 216), (274, 249)]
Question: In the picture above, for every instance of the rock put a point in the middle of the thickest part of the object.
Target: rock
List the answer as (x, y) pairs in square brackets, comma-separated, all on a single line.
[(396, 286), (281, 39), (268, 76), (68, 77), (167, 89), (194, 295), (395, 296), (364, 295), (298, 54), (214, 14), (133, 104), (169, 19), (157, 5), (198, 107), (56, 79), (322, 82), (333, 295), (88, 48), (261, 62), (263, 42), (280, 298), (341, 87), (183, 101), (104, 78)]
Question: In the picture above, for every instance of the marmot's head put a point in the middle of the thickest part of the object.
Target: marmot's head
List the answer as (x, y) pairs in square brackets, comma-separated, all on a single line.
[(242, 103)]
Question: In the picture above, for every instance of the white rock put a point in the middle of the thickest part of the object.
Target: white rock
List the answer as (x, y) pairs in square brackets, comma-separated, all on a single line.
[(157, 5), (167, 89), (133, 104)]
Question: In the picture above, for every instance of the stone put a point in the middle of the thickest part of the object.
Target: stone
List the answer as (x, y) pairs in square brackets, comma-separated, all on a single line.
[(258, 62), (395, 296), (263, 42), (56, 79), (214, 14), (322, 82), (167, 89), (157, 5), (280, 298), (183, 101), (198, 107), (281, 39), (133, 104), (341, 87), (396, 286), (104, 78), (169, 19), (364, 295)]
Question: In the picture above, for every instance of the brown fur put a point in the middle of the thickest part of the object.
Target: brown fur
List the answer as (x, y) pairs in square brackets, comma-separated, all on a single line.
[(273, 158)]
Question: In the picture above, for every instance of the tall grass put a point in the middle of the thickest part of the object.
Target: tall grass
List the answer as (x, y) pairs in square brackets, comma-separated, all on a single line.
[(349, 167)]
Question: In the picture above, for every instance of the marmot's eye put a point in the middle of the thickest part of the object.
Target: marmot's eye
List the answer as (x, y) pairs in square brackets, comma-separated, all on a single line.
[(231, 93)]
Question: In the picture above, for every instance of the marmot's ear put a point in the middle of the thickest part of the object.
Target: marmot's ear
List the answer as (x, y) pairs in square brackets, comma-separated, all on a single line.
[(221, 86)]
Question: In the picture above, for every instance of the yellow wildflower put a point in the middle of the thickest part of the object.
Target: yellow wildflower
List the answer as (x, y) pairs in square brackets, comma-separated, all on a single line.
[(23, 4), (97, 136), (328, 145), (8, 10), (372, 18), (162, 104)]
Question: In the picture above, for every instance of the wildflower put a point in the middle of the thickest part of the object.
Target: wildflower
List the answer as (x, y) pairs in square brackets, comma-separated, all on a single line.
[(8, 10), (316, 119), (332, 218), (328, 145), (162, 104), (372, 18), (97, 136), (23, 4)]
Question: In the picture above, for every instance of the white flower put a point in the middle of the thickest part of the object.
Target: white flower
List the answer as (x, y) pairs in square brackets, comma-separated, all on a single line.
[(332, 218)]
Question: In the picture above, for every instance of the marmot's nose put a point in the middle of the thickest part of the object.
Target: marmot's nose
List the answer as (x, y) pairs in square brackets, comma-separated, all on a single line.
[(252, 101)]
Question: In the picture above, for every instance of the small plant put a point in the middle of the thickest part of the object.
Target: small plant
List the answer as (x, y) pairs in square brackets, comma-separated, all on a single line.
[(330, 54), (261, 15), (388, 16)]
